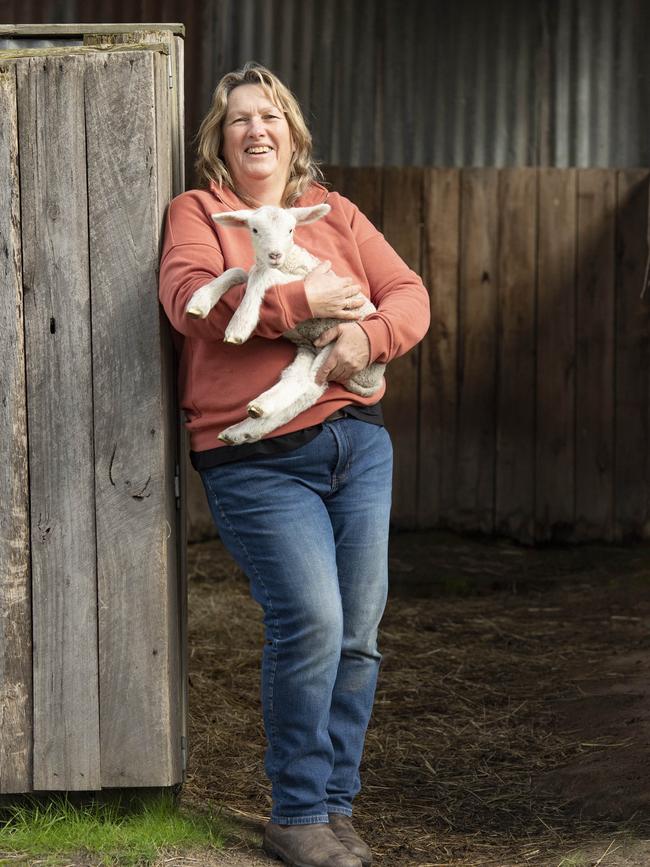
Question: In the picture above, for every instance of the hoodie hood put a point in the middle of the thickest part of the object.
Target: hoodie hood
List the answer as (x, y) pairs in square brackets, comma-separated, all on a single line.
[(315, 194)]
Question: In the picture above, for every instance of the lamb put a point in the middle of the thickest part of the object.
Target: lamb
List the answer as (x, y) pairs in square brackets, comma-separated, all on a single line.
[(277, 260)]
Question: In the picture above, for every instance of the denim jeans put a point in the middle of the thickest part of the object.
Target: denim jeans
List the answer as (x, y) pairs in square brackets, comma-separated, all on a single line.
[(310, 529)]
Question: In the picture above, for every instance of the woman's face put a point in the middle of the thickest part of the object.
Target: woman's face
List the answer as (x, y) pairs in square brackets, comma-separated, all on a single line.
[(257, 143)]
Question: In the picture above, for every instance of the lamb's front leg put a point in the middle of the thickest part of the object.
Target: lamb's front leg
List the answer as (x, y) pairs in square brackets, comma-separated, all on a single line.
[(204, 299), (246, 316)]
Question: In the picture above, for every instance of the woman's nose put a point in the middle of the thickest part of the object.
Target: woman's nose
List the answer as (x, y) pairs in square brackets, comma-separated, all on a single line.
[(256, 126)]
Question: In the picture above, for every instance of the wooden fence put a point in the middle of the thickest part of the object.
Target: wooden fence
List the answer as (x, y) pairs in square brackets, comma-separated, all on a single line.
[(91, 593), (526, 410)]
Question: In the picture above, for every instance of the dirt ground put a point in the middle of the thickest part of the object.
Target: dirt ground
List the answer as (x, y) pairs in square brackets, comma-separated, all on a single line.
[(512, 722)]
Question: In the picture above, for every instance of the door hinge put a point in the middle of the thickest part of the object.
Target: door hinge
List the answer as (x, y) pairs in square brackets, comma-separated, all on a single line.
[(170, 74), (177, 486), (184, 753)]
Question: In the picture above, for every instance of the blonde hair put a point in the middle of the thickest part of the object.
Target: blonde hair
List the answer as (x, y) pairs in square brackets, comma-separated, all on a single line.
[(210, 165)]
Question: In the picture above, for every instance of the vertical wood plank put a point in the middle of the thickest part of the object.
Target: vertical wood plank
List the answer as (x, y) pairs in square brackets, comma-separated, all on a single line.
[(15, 602), (59, 400), (364, 187), (555, 425), (632, 423), (438, 350), (595, 334), (165, 107), (475, 452), (515, 445), (138, 642), (402, 222)]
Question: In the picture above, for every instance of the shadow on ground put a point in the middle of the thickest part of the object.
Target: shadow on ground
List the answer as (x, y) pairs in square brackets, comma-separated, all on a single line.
[(512, 719)]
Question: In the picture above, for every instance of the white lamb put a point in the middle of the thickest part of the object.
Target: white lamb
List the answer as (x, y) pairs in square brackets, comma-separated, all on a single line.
[(277, 260)]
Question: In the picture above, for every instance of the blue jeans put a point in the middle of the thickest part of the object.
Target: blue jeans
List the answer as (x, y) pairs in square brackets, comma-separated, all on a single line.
[(310, 529)]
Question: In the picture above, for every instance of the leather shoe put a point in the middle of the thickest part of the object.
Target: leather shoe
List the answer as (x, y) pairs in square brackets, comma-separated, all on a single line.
[(344, 830), (307, 846)]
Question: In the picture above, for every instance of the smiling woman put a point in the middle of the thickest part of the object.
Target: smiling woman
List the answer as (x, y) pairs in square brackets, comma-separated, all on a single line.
[(304, 511)]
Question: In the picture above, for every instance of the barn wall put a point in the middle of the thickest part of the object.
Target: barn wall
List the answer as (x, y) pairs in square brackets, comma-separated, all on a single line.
[(423, 82)]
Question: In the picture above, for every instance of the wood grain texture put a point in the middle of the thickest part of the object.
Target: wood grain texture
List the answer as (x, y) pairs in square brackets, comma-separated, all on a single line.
[(515, 440), (364, 186), (439, 349), (59, 399), (138, 642), (475, 451), (595, 331), (166, 104), (15, 593), (402, 223), (632, 406), (555, 427)]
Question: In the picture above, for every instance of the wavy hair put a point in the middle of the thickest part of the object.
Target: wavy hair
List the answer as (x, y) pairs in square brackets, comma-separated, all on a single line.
[(209, 164)]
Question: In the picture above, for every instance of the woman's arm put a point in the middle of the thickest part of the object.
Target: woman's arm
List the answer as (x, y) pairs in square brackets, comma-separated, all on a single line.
[(402, 302)]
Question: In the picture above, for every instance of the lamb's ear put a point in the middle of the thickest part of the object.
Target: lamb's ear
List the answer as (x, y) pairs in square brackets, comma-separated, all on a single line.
[(236, 219), (309, 215)]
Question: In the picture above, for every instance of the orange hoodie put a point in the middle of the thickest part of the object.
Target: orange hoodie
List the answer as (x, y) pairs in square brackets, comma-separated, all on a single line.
[(218, 380)]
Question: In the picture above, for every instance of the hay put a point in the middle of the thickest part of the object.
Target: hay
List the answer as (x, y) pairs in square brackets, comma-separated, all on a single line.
[(462, 726)]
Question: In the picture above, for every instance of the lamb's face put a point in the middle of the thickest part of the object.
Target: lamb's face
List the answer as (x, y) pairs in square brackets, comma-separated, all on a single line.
[(272, 233)]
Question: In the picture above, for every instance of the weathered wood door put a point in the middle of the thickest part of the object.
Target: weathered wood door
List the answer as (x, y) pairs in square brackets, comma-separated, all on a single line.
[(91, 602)]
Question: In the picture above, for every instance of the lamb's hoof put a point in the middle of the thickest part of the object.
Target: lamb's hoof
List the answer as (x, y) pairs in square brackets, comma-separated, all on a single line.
[(196, 313), (254, 410), (236, 341), (225, 439)]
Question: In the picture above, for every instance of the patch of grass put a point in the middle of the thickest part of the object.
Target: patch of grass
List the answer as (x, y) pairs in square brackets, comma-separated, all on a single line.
[(111, 832), (577, 859)]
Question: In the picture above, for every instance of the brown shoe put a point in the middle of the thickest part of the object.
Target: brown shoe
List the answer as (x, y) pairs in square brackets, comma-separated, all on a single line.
[(307, 846), (344, 830)]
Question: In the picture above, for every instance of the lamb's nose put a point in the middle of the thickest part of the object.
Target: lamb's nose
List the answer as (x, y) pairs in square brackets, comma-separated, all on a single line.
[(275, 257)]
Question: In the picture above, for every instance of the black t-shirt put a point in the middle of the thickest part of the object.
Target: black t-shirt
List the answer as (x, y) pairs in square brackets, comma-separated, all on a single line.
[(205, 460)]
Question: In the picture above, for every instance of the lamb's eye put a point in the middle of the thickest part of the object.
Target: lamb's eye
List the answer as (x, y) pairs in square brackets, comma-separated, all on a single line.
[(255, 231), (290, 231)]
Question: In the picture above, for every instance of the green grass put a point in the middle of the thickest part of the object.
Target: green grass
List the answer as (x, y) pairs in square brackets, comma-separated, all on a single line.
[(111, 833)]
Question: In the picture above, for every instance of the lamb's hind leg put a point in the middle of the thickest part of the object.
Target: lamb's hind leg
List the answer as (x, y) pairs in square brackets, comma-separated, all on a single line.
[(204, 299), (295, 379), (252, 429)]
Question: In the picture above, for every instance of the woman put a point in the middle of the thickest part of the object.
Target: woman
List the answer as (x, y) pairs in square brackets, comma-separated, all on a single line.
[(304, 512)]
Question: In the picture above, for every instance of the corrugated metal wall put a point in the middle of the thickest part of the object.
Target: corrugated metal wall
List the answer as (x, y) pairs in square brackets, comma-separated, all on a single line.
[(424, 82)]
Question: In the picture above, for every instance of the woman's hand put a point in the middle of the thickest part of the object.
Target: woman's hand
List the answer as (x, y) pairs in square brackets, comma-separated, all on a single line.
[(349, 355), (332, 296)]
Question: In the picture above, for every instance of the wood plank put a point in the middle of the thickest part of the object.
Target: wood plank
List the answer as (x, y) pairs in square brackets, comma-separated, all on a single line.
[(59, 399), (364, 187), (15, 602), (515, 444), (475, 454), (167, 160), (595, 303), (138, 644), (632, 423), (439, 349), (402, 225), (555, 425)]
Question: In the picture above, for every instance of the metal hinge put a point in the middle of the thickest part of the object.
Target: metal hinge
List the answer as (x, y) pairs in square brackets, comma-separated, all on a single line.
[(177, 486), (170, 74), (184, 753)]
